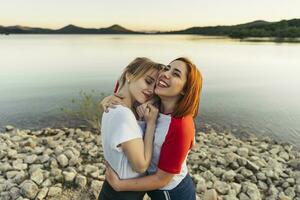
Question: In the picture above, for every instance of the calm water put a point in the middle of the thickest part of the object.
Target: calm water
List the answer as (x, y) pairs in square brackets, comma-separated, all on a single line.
[(250, 85)]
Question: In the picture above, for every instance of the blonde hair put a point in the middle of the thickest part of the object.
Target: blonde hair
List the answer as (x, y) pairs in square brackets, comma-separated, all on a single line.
[(137, 68)]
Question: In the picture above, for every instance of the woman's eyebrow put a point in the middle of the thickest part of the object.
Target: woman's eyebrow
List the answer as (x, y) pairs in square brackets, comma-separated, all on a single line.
[(150, 77), (177, 70)]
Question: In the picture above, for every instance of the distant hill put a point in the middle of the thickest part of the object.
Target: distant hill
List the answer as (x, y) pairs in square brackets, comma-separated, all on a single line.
[(281, 29), (260, 28), (69, 29)]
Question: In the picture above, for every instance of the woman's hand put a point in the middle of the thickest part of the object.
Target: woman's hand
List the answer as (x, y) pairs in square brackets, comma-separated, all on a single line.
[(150, 114), (140, 110), (112, 178), (111, 102)]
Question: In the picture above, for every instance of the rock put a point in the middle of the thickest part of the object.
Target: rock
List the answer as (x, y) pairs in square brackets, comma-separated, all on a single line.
[(19, 165), (90, 169), (12, 153), (14, 193), (42, 193), (81, 181), (96, 187), (69, 176), (54, 191), (253, 167), (37, 176), (251, 190), (29, 189), (243, 152), (297, 189), (9, 128), (229, 175), (261, 176), (4, 167), (30, 159), (295, 164), (201, 186), (284, 155), (5, 196), (46, 183), (222, 187), (290, 192), (63, 160), (246, 172)]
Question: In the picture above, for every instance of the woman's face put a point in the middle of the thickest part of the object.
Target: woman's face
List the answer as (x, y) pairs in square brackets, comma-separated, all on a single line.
[(171, 80), (142, 89)]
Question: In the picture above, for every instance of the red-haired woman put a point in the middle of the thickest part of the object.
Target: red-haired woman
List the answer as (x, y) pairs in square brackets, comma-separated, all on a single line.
[(178, 86)]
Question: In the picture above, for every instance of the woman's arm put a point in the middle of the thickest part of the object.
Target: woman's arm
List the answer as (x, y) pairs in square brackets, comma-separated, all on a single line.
[(146, 183), (139, 152)]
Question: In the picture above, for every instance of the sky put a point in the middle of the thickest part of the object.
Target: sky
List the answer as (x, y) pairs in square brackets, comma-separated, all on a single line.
[(143, 14)]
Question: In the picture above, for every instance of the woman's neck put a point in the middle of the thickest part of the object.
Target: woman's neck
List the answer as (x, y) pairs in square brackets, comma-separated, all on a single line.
[(127, 97), (168, 105)]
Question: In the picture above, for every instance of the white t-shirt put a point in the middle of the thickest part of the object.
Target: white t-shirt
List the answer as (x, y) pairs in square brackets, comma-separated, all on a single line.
[(119, 125)]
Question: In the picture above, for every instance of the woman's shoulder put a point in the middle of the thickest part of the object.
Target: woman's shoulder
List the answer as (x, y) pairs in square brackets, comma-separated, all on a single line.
[(121, 112)]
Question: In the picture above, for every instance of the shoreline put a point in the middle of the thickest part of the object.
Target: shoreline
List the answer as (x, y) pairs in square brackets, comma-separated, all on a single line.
[(57, 163)]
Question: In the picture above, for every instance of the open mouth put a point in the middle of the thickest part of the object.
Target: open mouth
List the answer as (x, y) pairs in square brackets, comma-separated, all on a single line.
[(161, 83)]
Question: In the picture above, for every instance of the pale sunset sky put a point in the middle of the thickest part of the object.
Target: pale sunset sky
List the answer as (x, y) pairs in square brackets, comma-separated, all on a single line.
[(143, 14)]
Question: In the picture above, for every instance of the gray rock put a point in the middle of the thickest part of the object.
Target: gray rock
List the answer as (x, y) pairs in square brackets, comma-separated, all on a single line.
[(9, 128), (80, 181), (243, 152), (69, 176), (47, 183), (29, 189), (63, 160), (290, 192), (19, 165), (297, 189), (42, 193), (201, 186), (96, 187), (229, 175), (252, 166), (37, 176), (295, 164), (14, 193), (54, 191), (30, 159), (251, 190), (261, 176), (222, 187), (5, 196), (246, 172)]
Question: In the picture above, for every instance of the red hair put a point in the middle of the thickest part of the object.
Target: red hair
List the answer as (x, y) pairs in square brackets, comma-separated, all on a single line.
[(189, 103)]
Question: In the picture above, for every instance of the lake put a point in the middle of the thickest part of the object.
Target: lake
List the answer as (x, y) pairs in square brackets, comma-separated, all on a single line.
[(248, 85)]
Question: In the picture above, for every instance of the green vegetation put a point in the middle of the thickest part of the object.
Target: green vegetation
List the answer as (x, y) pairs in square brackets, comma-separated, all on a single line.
[(282, 29), (87, 108)]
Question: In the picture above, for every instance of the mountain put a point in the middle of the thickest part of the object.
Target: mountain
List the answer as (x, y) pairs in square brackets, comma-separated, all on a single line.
[(72, 29), (259, 28), (281, 29), (69, 29)]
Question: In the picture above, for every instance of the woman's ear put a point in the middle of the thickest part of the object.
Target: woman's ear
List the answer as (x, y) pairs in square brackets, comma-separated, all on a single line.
[(128, 77)]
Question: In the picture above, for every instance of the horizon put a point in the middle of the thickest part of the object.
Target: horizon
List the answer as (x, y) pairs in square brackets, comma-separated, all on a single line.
[(143, 16), (21, 25)]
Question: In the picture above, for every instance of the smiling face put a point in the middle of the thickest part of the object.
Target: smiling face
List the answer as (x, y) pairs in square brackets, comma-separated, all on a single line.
[(142, 89), (171, 81)]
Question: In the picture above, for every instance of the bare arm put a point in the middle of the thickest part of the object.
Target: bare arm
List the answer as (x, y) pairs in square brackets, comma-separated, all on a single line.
[(146, 183), (139, 152)]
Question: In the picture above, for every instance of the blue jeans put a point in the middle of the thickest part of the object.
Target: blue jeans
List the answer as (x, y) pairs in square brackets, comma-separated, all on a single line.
[(108, 193), (185, 190)]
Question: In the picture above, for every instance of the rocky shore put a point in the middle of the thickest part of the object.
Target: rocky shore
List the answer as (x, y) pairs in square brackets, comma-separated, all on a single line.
[(67, 163)]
